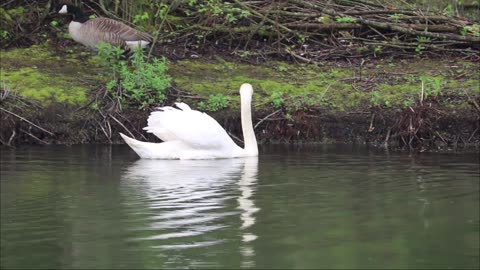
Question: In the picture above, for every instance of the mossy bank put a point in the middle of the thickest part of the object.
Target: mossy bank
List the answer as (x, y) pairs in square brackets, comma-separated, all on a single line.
[(417, 102)]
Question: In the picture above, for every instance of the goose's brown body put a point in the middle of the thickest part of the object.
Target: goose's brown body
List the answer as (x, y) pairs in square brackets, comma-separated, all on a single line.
[(94, 31)]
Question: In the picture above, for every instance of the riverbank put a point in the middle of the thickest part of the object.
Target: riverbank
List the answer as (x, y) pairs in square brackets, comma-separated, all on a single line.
[(50, 96)]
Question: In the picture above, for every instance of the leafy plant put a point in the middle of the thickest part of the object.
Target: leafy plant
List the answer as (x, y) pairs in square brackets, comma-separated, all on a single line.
[(378, 99), (234, 13), (345, 19), (163, 11), (395, 17), (423, 39), (214, 103), (4, 34), (408, 102), (375, 99), (141, 83), (433, 86), (211, 7), (419, 49), (141, 19), (377, 50), (473, 30), (449, 10), (215, 8), (277, 99), (282, 68), (245, 54)]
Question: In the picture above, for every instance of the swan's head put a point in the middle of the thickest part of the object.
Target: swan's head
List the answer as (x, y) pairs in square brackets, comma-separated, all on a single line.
[(246, 90)]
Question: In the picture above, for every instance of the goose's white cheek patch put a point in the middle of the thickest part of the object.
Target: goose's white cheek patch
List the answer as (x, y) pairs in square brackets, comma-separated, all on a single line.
[(63, 10)]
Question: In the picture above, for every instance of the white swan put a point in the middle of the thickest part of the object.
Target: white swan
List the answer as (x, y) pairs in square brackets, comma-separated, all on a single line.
[(190, 134)]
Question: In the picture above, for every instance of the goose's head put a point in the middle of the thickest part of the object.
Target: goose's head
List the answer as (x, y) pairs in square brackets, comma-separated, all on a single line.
[(246, 90), (76, 12)]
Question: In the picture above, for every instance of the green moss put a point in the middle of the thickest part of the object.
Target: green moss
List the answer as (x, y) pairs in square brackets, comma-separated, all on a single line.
[(33, 55), (38, 74), (300, 85), (12, 15), (77, 63), (469, 86), (32, 84), (398, 94)]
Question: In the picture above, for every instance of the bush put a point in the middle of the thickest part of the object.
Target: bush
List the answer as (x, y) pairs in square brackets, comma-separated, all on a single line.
[(214, 103), (139, 84)]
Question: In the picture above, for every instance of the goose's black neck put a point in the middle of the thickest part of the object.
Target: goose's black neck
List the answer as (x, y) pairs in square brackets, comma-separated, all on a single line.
[(78, 15)]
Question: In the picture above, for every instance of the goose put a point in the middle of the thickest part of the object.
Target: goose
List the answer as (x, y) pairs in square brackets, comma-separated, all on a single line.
[(190, 134), (91, 32)]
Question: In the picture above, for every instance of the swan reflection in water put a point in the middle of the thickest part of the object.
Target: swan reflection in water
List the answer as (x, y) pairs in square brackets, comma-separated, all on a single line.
[(182, 204)]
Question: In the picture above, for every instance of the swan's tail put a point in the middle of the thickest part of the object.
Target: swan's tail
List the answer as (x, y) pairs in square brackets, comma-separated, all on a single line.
[(137, 146), (165, 150)]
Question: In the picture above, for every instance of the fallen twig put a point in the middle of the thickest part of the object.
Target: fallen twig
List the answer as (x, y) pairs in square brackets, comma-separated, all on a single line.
[(266, 117), (473, 133), (124, 127), (24, 119), (33, 136), (385, 143)]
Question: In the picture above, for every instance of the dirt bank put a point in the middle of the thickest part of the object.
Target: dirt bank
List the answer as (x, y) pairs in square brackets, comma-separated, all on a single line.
[(52, 93), (424, 129)]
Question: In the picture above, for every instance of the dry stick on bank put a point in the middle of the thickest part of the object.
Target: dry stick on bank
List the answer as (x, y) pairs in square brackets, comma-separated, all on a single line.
[(407, 29), (26, 120), (266, 117), (392, 28), (33, 136), (124, 127), (293, 23), (155, 38), (351, 29)]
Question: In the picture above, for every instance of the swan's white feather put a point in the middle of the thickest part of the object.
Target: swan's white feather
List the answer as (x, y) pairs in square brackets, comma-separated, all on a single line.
[(190, 134), (183, 106), (165, 150), (195, 129)]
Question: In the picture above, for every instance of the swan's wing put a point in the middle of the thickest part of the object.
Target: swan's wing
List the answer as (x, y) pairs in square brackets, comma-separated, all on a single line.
[(195, 129), (183, 106)]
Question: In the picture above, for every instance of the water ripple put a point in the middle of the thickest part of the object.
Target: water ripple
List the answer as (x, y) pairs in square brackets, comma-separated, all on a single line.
[(185, 204)]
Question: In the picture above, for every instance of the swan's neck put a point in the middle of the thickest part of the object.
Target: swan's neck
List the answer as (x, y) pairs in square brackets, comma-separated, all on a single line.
[(251, 147)]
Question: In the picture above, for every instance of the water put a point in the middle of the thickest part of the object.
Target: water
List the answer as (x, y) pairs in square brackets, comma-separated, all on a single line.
[(293, 207)]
